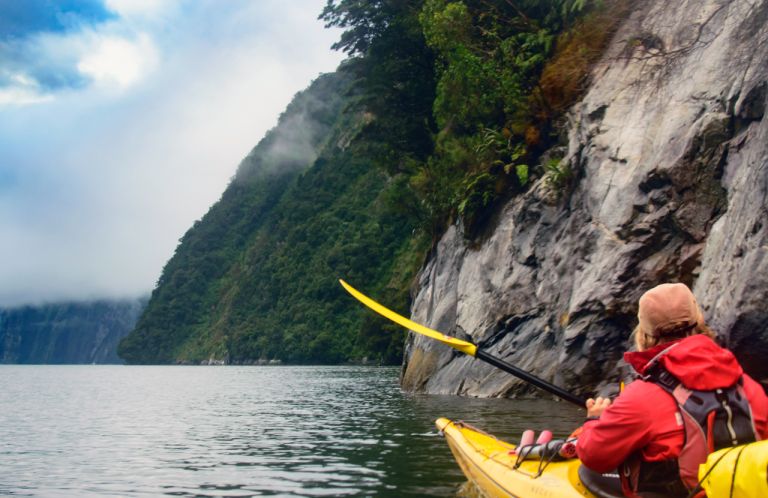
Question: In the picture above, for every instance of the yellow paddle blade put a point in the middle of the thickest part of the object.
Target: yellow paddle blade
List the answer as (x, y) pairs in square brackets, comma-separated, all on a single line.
[(463, 346)]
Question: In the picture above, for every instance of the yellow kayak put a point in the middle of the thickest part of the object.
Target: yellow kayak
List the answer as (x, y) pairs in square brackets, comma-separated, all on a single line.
[(487, 463)]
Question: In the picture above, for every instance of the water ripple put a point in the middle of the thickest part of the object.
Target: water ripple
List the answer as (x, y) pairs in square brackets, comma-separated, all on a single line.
[(235, 432)]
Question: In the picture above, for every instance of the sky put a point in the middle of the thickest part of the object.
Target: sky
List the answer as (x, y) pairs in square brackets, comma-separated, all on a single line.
[(121, 123)]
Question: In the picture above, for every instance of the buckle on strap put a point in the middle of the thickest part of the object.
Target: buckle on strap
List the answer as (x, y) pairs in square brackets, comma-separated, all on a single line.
[(667, 380), (660, 375)]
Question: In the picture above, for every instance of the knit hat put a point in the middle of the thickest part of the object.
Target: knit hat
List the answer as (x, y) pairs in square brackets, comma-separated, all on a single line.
[(666, 309)]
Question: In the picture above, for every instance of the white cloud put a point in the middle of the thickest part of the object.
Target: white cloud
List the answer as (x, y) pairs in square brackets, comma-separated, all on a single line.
[(118, 61), (150, 8)]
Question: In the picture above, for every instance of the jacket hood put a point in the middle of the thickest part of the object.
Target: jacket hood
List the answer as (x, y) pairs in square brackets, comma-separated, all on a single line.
[(696, 361)]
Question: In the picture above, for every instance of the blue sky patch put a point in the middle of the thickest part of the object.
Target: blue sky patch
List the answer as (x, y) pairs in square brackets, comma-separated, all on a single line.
[(7, 178), (21, 18)]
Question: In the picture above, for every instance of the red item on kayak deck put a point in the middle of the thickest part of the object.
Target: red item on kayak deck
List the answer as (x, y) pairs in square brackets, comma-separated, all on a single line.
[(568, 449), (544, 437)]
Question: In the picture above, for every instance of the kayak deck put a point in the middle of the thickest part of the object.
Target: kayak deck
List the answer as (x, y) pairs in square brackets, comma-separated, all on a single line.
[(487, 462)]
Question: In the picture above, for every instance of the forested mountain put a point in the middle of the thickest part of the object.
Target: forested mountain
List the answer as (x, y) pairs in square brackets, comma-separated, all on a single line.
[(442, 111), (255, 279), (66, 332)]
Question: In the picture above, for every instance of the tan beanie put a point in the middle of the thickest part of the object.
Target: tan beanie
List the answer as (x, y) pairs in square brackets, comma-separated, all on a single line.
[(667, 308)]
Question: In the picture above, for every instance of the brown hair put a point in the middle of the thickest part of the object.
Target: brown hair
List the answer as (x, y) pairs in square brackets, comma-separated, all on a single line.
[(669, 333)]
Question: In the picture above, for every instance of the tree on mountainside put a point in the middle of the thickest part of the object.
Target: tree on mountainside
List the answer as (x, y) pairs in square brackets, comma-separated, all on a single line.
[(394, 70)]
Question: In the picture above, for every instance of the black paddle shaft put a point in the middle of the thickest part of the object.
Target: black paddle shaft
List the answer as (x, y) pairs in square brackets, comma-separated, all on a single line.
[(531, 379)]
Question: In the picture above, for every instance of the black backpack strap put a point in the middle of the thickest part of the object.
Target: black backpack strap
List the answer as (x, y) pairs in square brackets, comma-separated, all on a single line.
[(660, 376), (656, 372)]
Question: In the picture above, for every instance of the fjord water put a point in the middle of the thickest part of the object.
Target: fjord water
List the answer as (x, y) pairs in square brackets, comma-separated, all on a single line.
[(237, 431)]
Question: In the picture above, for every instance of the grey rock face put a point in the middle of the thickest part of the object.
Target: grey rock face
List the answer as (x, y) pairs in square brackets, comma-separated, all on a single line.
[(669, 149)]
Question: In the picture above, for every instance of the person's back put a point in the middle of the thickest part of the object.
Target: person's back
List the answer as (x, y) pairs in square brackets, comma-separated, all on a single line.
[(643, 431)]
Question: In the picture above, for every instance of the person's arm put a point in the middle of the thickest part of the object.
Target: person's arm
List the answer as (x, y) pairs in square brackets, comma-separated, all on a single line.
[(621, 429)]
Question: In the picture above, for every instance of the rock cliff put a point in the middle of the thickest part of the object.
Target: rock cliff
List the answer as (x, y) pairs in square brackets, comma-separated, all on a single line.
[(664, 178)]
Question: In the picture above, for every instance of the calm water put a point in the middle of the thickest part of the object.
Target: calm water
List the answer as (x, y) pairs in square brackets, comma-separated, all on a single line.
[(236, 431)]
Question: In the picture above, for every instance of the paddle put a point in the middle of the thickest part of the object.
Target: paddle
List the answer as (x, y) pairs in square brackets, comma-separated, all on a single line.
[(463, 346)]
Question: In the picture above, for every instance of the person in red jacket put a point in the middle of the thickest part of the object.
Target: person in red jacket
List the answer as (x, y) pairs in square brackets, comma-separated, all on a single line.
[(644, 431)]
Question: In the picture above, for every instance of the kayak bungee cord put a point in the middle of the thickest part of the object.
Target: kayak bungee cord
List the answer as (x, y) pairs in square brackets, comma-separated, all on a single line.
[(463, 346)]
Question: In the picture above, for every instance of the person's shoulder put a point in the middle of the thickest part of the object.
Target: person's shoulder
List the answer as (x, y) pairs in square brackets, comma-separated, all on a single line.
[(646, 393), (640, 386), (755, 391)]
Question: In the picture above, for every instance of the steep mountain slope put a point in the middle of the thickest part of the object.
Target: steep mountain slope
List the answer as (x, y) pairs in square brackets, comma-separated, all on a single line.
[(66, 333), (255, 279), (665, 178)]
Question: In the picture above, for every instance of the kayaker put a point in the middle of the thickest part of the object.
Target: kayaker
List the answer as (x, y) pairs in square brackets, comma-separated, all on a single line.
[(649, 432)]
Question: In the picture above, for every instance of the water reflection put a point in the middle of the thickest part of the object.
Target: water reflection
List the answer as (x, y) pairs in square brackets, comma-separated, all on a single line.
[(237, 431)]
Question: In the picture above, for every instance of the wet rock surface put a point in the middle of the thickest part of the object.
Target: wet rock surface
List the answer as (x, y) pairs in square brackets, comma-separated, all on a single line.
[(669, 149)]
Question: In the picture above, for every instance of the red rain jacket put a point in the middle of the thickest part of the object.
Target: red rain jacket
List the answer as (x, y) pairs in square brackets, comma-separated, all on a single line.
[(644, 416)]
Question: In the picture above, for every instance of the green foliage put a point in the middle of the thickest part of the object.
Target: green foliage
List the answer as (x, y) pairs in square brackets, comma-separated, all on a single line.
[(478, 193), (393, 70), (521, 170), (287, 303), (500, 149), (492, 117), (490, 55), (436, 183), (559, 173), (365, 22)]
